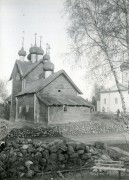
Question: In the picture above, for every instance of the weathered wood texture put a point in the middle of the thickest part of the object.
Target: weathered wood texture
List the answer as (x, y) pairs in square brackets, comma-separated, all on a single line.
[(43, 113), (34, 75), (16, 88), (59, 86), (25, 102), (73, 114)]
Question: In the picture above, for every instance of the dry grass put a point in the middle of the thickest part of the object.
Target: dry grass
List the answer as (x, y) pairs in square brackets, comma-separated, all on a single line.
[(81, 176)]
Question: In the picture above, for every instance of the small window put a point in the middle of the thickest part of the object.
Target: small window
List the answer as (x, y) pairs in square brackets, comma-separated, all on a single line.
[(20, 109), (116, 100), (65, 108), (27, 108), (104, 101), (59, 90)]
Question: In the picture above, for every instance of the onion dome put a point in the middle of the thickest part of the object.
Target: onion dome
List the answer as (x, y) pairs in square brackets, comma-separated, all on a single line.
[(40, 51), (48, 66), (22, 52), (33, 50), (29, 57), (46, 57)]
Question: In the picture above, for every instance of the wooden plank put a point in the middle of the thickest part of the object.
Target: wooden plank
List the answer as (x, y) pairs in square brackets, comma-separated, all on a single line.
[(110, 165), (108, 168), (108, 161)]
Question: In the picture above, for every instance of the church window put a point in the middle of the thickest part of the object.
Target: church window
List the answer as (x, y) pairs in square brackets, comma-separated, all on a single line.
[(27, 108), (20, 109), (65, 108), (116, 100), (104, 101)]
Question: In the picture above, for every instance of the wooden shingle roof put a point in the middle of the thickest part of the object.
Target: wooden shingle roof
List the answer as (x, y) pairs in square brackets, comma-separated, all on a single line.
[(24, 67), (68, 100), (42, 83)]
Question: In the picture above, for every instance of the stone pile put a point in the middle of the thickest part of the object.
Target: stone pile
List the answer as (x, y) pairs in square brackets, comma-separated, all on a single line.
[(27, 157), (82, 128), (33, 132)]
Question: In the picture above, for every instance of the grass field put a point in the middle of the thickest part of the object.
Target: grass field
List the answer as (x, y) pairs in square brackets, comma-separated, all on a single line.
[(81, 176)]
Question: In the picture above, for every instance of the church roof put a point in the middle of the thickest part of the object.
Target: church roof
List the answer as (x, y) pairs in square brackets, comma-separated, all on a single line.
[(24, 67), (68, 100), (42, 83)]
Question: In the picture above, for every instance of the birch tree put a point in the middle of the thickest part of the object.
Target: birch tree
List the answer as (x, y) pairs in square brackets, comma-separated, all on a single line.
[(101, 28), (3, 91)]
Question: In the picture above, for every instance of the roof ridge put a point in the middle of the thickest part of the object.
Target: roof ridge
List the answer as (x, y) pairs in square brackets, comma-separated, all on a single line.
[(37, 86), (32, 68)]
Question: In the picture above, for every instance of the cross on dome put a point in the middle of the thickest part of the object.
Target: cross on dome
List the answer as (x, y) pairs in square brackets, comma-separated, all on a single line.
[(48, 49), (35, 38)]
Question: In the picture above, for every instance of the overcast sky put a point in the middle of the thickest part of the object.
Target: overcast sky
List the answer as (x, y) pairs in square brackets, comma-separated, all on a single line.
[(46, 18)]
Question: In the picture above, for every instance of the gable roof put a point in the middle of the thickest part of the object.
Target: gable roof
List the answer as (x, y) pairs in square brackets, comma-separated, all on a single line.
[(34, 65), (68, 100), (114, 89), (42, 83), (24, 67)]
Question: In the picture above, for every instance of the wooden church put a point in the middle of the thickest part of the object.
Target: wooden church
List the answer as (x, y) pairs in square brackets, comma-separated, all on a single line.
[(40, 95)]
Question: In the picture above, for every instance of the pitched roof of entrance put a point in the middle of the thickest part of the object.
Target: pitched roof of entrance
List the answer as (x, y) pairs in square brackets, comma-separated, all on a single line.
[(68, 100), (42, 83)]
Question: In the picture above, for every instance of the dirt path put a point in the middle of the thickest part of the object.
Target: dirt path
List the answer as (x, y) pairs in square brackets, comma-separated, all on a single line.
[(110, 138)]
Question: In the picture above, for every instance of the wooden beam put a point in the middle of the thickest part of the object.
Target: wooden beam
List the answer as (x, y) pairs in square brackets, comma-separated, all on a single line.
[(16, 108), (35, 108)]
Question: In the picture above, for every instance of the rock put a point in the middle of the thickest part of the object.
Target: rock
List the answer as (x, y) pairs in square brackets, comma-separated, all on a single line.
[(71, 144), (60, 151), (2, 156), (70, 149), (61, 157), (38, 155), (28, 164), (35, 168), (89, 155), (74, 155), (66, 156), (30, 174), (87, 149), (40, 149), (54, 148), (62, 166), (62, 146), (24, 152), (42, 161), (31, 149), (19, 154), (100, 145), (84, 156), (94, 151), (37, 144), (21, 174), (44, 146), (25, 146), (45, 154), (29, 141), (81, 152), (80, 146), (53, 156), (15, 144), (21, 168)]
